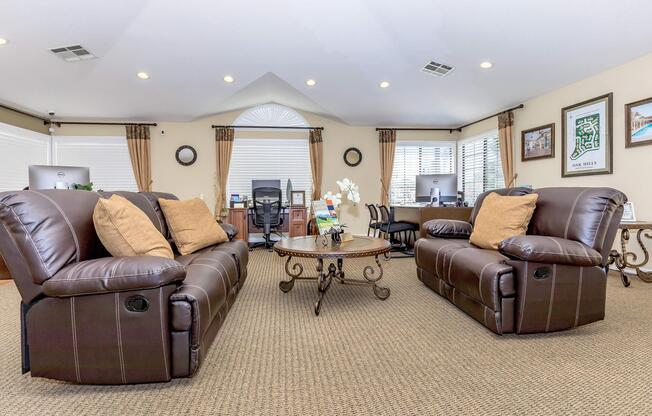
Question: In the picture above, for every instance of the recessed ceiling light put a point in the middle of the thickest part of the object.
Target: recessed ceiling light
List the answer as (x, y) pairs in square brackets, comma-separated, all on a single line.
[(3, 41), (384, 84), (311, 83), (228, 78), (143, 75), (486, 65)]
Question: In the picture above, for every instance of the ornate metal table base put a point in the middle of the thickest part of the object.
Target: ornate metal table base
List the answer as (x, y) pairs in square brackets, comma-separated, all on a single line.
[(335, 271), (627, 259)]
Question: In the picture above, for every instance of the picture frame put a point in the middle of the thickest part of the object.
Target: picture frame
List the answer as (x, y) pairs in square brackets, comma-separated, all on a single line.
[(538, 143), (587, 137), (298, 199), (629, 214), (638, 123)]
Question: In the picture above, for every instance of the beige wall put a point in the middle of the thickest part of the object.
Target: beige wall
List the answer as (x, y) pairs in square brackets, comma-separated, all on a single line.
[(21, 120), (191, 181)]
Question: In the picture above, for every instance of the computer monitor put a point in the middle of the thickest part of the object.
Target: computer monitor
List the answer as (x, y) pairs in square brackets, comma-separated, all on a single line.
[(427, 184), (265, 183), (57, 177)]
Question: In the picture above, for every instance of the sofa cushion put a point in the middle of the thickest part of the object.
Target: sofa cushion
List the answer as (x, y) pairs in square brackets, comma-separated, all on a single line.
[(125, 230), (478, 273), (502, 217), (448, 228), (192, 225), (551, 250), (240, 253)]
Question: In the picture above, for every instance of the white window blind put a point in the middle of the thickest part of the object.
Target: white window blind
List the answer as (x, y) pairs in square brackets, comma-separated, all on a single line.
[(106, 156), (480, 166), (418, 158), (20, 148), (262, 158)]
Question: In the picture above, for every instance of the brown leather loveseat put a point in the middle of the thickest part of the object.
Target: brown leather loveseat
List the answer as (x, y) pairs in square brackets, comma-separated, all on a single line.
[(551, 279), (91, 318)]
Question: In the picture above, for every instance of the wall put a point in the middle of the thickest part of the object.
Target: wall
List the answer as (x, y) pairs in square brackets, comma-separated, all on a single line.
[(199, 179), (21, 120)]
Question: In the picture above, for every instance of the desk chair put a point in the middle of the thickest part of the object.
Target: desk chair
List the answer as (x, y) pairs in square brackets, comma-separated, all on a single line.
[(389, 228), (267, 212), (374, 220)]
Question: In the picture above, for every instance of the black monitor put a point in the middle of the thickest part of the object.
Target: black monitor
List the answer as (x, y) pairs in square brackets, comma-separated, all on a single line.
[(265, 183)]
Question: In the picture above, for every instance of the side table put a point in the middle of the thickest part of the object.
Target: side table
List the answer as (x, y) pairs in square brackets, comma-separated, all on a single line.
[(624, 258)]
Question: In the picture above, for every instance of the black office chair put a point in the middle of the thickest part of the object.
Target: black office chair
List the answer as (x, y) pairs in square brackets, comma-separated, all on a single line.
[(389, 228), (374, 221), (267, 212)]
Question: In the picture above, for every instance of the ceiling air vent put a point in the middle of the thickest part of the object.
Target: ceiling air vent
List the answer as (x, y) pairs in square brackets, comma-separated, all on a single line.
[(437, 69), (73, 53)]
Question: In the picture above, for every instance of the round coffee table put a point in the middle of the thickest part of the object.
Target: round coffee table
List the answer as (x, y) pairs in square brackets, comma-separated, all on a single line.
[(321, 248)]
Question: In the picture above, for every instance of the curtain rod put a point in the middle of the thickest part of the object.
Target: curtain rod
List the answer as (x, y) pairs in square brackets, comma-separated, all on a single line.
[(266, 127), (449, 129), (99, 123), (25, 113)]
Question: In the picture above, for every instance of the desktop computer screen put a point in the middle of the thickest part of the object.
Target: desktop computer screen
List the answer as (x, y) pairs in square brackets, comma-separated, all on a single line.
[(445, 183), (57, 177)]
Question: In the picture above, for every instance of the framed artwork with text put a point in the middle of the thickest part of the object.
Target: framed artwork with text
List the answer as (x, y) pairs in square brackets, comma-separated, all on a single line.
[(587, 144)]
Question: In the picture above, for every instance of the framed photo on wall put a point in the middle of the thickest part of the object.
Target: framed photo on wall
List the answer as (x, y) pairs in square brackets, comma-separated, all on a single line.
[(538, 143), (638, 123), (587, 145)]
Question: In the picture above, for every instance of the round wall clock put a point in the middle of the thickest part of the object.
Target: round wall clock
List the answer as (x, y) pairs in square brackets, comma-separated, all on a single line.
[(186, 155), (352, 156)]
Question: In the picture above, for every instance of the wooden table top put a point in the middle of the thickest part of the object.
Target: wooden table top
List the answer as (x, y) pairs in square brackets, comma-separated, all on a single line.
[(635, 225), (308, 246)]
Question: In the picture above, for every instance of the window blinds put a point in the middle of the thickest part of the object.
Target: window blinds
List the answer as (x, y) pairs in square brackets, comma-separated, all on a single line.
[(20, 148), (262, 158), (480, 166), (106, 156), (418, 158)]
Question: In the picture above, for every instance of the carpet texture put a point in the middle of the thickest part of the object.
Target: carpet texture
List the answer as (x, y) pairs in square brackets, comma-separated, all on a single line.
[(413, 354)]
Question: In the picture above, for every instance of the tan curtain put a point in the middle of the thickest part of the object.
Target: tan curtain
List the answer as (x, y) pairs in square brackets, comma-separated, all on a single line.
[(506, 141), (139, 152), (224, 148), (316, 162), (387, 139)]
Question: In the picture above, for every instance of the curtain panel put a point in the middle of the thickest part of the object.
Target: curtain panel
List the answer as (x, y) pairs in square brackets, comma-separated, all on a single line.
[(316, 146), (223, 149), (387, 140), (139, 151), (506, 142)]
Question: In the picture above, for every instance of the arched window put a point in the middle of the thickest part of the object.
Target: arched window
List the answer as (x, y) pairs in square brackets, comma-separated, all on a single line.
[(277, 156)]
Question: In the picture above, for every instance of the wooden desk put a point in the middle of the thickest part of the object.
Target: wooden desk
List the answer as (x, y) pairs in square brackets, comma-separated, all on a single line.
[(419, 214), (295, 220)]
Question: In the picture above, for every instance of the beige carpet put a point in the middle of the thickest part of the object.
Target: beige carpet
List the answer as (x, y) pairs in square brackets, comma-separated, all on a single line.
[(414, 354)]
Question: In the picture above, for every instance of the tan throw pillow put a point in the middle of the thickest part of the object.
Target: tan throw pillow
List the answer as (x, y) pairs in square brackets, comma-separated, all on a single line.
[(192, 225), (125, 230), (501, 217)]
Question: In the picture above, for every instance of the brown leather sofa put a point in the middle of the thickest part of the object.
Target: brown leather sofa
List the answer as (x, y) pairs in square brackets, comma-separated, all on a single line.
[(91, 318), (551, 279)]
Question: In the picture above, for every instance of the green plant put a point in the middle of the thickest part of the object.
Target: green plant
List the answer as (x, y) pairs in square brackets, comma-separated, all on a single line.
[(83, 187)]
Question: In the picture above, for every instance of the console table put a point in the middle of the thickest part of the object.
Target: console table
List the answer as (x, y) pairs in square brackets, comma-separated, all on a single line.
[(625, 259)]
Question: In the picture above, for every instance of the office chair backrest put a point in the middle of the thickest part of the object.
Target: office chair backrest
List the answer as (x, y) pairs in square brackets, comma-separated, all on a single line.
[(267, 206), (384, 214), (373, 213)]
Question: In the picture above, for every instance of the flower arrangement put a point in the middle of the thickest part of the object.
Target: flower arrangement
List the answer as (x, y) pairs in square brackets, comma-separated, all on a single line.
[(347, 188)]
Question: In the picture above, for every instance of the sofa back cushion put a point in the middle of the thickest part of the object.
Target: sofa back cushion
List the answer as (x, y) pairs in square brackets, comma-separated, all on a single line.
[(587, 215), (503, 191), (50, 229), (126, 231), (502, 217)]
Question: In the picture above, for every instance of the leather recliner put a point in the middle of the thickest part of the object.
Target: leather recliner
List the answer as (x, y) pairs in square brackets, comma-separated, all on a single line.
[(90, 318), (553, 278)]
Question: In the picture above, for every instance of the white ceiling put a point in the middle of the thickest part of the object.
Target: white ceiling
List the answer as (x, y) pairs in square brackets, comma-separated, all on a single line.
[(272, 47)]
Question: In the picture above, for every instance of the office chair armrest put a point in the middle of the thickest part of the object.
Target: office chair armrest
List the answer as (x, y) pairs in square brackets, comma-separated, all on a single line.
[(551, 250), (443, 228), (114, 274), (230, 230)]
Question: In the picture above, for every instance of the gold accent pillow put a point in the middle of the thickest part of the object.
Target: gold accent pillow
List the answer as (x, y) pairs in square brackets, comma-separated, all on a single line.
[(191, 224), (125, 230), (501, 217)]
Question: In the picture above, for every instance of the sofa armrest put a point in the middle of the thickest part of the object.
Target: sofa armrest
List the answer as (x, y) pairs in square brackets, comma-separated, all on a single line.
[(552, 250), (114, 274), (230, 230), (448, 228)]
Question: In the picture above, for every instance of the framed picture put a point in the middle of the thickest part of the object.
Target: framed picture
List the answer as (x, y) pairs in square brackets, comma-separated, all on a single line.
[(587, 146), (538, 143), (298, 199), (629, 215), (638, 123)]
